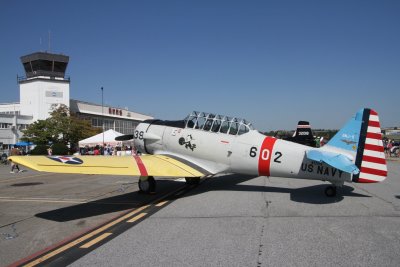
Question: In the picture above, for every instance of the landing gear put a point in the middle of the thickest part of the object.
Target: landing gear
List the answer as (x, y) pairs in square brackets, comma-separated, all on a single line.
[(330, 191), (147, 185), (192, 180)]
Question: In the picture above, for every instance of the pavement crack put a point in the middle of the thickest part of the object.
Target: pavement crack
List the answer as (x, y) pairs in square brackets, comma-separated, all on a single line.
[(12, 235), (260, 247), (8, 224), (267, 202)]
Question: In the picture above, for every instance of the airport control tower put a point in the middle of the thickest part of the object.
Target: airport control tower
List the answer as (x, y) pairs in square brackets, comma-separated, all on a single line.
[(45, 84)]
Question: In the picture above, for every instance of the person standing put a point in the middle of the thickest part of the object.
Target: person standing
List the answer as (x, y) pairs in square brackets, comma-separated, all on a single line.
[(389, 147), (14, 152)]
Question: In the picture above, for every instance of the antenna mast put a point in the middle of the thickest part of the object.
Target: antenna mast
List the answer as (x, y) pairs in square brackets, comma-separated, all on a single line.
[(49, 40)]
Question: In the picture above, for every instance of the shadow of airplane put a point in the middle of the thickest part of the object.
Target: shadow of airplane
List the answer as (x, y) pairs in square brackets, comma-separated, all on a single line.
[(107, 205), (398, 196), (309, 194), (89, 209)]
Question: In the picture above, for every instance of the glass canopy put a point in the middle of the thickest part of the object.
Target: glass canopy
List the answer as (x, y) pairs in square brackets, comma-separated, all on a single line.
[(217, 123)]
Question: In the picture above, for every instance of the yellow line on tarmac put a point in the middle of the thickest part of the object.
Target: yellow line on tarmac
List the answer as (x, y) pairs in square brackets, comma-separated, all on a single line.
[(162, 203), (95, 232), (83, 238), (134, 219), (96, 240)]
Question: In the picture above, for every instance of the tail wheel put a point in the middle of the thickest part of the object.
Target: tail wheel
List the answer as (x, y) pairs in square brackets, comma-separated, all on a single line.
[(192, 180), (148, 185), (330, 191)]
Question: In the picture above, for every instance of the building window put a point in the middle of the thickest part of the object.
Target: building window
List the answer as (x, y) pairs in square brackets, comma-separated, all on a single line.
[(5, 125)]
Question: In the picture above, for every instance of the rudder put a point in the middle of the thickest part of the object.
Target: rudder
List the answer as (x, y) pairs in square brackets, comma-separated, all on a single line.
[(370, 155)]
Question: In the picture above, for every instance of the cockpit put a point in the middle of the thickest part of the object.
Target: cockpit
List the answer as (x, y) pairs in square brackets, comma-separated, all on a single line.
[(217, 123)]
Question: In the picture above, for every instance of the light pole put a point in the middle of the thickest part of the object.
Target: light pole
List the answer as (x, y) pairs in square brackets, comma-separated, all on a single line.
[(102, 114)]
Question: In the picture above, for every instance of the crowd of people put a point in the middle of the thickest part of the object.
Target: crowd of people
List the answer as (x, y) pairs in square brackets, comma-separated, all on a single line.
[(107, 150), (95, 150), (392, 148)]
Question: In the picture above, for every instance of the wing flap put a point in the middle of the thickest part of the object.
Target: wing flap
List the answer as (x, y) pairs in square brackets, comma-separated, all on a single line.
[(160, 165), (339, 161), (153, 165)]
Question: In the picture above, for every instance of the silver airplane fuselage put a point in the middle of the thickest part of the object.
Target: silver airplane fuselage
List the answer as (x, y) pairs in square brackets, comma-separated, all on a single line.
[(251, 153)]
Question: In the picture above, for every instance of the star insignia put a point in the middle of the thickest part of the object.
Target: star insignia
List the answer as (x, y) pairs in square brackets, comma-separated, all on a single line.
[(66, 159)]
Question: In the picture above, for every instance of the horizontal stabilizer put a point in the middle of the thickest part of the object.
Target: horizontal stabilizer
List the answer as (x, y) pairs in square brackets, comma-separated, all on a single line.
[(338, 161)]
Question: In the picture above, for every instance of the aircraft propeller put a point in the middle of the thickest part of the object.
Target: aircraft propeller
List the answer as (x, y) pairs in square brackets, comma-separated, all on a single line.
[(124, 137)]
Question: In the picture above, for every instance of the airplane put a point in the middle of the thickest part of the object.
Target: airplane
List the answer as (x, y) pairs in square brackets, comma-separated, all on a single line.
[(348, 142), (303, 135), (205, 144)]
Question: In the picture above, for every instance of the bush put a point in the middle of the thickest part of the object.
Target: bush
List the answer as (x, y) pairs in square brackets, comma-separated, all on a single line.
[(59, 149), (40, 150)]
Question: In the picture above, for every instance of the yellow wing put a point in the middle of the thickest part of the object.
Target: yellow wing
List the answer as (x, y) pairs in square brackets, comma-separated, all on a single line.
[(145, 165)]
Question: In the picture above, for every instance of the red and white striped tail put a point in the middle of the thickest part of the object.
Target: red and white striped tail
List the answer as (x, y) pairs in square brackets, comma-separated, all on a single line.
[(371, 157)]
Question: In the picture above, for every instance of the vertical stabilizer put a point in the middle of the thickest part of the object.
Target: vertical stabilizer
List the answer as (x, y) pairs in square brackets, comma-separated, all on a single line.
[(362, 136), (303, 135)]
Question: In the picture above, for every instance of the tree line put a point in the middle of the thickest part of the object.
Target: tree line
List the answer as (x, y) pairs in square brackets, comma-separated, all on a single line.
[(325, 133), (62, 127)]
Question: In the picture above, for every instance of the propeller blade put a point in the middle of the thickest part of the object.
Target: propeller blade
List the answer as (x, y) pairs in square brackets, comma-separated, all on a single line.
[(124, 137)]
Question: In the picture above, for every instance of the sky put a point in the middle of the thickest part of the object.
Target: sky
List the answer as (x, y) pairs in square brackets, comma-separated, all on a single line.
[(271, 62)]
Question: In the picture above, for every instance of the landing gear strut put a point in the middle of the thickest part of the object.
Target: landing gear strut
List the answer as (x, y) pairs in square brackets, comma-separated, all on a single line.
[(147, 185), (330, 191)]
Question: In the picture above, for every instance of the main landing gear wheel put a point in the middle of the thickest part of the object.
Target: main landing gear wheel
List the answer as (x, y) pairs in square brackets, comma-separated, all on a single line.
[(148, 185), (192, 180), (330, 191)]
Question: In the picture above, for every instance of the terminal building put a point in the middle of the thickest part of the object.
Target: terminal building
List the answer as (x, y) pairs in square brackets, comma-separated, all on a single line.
[(44, 85)]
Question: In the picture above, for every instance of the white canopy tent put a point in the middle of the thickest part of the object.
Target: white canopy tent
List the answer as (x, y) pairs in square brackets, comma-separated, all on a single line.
[(109, 139)]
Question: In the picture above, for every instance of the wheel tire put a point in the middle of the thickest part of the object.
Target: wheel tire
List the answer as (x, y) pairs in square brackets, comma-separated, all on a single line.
[(192, 180), (330, 191), (147, 186)]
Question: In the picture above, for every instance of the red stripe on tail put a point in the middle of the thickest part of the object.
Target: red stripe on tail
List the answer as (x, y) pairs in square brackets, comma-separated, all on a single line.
[(373, 148), (374, 136), (373, 171), (373, 112), (374, 124), (374, 159)]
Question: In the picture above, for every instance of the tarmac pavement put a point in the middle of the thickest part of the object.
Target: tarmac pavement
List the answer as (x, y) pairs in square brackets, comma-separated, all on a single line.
[(38, 210), (230, 220), (244, 221)]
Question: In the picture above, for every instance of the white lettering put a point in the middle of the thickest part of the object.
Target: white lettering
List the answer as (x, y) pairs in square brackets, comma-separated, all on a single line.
[(304, 133), (265, 154)]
